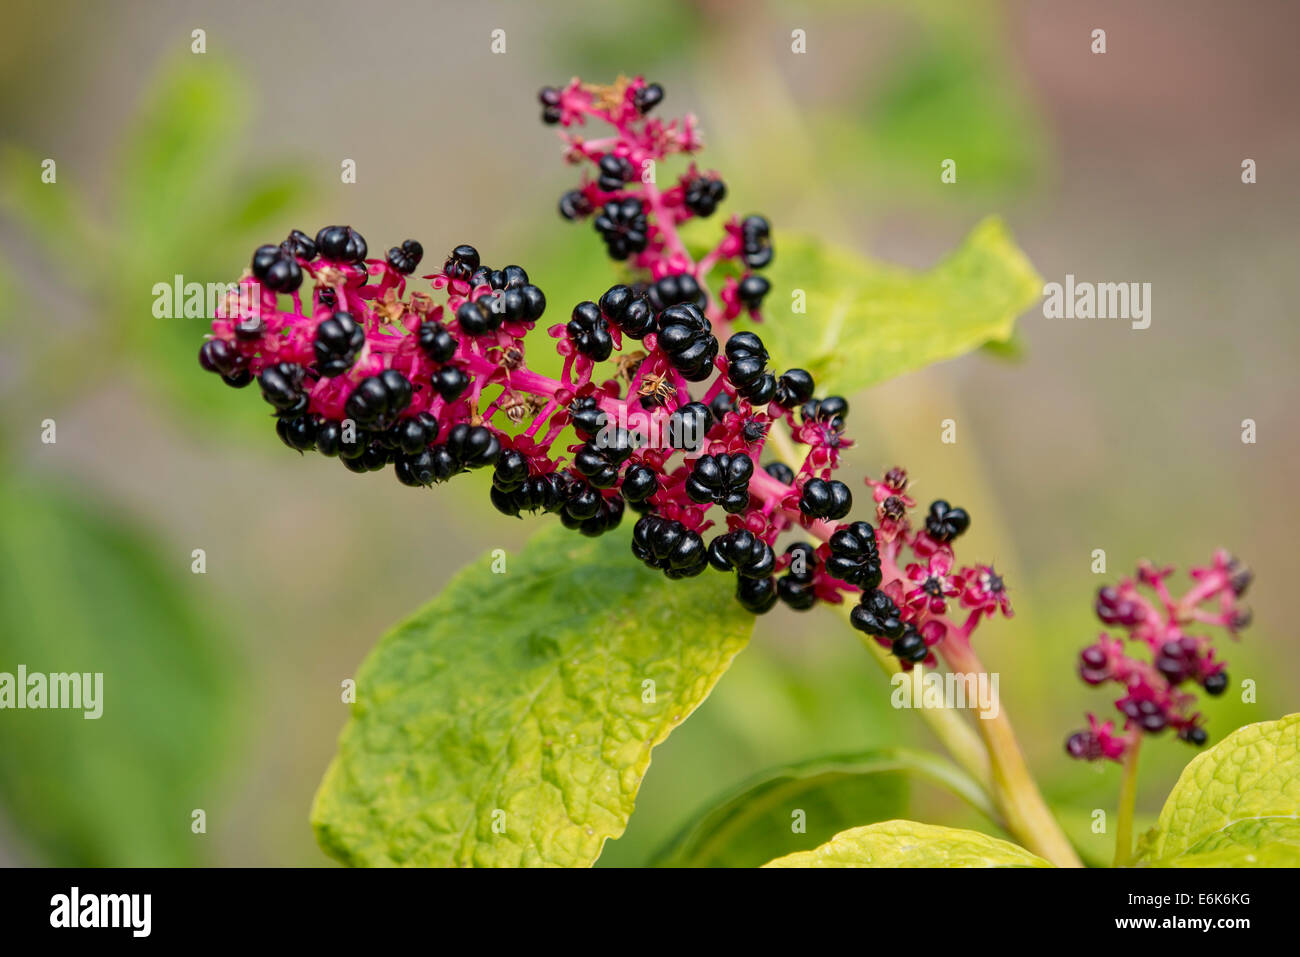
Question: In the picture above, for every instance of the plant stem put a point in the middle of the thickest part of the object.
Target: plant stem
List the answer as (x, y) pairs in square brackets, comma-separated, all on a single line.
[(1127, 803), (1027, 815), (946, 724)]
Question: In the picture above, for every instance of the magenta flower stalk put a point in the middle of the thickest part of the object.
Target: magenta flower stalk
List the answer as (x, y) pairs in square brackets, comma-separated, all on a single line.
[(1154, 695), (671, 410)]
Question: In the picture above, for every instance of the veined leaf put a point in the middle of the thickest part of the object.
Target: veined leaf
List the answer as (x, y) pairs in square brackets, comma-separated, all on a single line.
[(756, 823), (867, 322), (1234, 805), (910, 844), (510, 721), (82, 593)]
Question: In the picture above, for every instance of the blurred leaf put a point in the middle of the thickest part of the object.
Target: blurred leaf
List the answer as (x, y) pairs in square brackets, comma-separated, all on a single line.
[(178, 151), (55, 215), (523, 694), (1235, 803), (910, 844), (625, 40), (867, 322), (753, 825), (184, 205), (82, 593), (948, 94)]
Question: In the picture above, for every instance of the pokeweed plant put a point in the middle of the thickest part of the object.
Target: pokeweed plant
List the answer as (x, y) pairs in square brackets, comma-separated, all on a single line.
[(511, 720)]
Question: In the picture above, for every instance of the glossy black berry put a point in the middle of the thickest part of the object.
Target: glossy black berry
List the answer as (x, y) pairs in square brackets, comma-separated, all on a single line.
[(756, 242), (379, 399), (418, 469), (648, 97), (1217, 683), (550, 99), (703, 194), (679, 287), (587, 417), (1195, 736), (639, 482), (669, 545), (282, 387), (622, 224), (686, 336), (298, 432), (341, 244), (329, 437), (752, 290), (793, 388), (688, 425), (406, 257), (606, 512), (854, 557), (435, 341), (472, 446), (780, 471), (614, 171), (944, 523), (721, 405), (450, 383), (909, 646), (412, 435), (742, 551), (218, 355), (876, 614), (338, 340), (300, 244), (276, 268), (574, 205), (461, 263), (830, 411), (631, 313), (757, 595), (747, 368), (598, 462), (825, 499), (589, 332), (721, 479), (477, 318)]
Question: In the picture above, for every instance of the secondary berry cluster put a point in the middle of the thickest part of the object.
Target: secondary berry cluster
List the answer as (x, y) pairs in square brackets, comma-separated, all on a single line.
[(435, 382), (1154, 693)]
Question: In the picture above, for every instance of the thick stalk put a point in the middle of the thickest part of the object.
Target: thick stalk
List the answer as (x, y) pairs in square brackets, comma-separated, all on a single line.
[(1027, 815), (947, 724), (1127, 804)]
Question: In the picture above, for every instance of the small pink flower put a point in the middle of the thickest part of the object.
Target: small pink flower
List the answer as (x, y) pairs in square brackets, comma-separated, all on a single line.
[(933, 585), (983, 590)]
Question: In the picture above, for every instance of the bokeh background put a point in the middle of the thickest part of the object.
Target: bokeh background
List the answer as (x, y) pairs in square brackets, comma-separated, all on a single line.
[(223, 688)]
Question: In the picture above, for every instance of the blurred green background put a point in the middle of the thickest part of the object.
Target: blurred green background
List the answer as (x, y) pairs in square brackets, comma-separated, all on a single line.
[(223, 689)]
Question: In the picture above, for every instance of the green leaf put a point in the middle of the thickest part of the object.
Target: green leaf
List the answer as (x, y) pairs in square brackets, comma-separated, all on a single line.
[(80, 592), (755, 823), (910, 844), (178, 156), (1235, 803), (52, 214), (867, 322), (509, 721)]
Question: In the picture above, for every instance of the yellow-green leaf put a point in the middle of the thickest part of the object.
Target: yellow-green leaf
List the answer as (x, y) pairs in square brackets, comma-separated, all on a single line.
[(867, 322), (1236, 804), (511, 720), (911, 844)]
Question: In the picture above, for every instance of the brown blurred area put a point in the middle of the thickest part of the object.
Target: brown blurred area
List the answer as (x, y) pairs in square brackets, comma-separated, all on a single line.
[(1099, 437)]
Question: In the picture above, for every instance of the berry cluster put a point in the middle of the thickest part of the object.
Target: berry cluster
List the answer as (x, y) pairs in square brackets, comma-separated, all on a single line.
[(435, 382), (1154, 696)]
